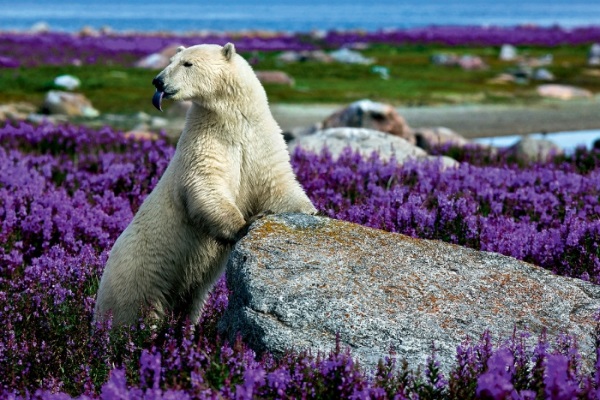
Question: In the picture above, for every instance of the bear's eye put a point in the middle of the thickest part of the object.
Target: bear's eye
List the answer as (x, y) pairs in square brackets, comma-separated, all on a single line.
[(187, 64)]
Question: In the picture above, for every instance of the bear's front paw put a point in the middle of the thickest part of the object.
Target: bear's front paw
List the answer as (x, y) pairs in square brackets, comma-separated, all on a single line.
[(244, 231)]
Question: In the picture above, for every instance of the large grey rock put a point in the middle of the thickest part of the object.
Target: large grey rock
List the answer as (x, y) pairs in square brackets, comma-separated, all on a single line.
[(298, 280)]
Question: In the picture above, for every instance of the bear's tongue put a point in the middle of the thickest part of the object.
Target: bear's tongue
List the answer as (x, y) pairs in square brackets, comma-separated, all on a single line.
[(157, 99)]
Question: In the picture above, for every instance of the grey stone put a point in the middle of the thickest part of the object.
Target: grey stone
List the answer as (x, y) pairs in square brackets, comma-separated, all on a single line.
[(347, 56), (429, 137), (298, 280), (508, 52), (371, 115), (366, 141), (529, 148), (70, 104)]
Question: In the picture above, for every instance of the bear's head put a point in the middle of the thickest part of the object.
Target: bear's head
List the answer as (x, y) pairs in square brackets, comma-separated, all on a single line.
[(199, 73)]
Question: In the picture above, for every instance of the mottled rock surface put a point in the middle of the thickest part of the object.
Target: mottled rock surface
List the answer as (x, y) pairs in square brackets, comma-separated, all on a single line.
[(371, 115), (297, 280), (366, 141)]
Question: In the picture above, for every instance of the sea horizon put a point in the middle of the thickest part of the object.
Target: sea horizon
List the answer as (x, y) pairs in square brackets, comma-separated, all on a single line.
[(293, 17)]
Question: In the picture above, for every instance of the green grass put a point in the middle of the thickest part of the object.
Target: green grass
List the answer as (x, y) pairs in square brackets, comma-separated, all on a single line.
[(413, 80)]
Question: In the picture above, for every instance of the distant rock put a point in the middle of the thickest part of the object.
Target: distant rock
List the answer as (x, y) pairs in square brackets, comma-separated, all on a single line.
[(297, 281), (508, 52), (366, 141), (274, 78), (158, 60), (529, 148), (40, 27), (466, 62), (427, 138), (305, 56), (542, 74), (372, 115), (16, 111), (594, 55), (68, 82), (69, 104), (348, 56), (563, 92)]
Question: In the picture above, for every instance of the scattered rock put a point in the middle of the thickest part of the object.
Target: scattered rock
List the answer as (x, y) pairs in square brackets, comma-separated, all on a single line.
[(529, 148), (275, 78), (366, 141), (141, 135), (40, 27), (158, 60), (535, 62), (304, 56), (466, 62), (16, 111), (348, 56), (508, 52), (542, 74), (383, 72), (563, 92), (469, 62), (68, 82), (503, 79), (427, 138), (372, 115), (594, 55), (297, 281), (70, 104)]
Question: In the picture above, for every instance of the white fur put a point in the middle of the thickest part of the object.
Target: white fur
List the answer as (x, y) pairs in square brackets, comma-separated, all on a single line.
[(231, 163)]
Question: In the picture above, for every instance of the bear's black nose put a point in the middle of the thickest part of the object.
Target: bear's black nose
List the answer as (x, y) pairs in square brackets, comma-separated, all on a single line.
[(158, 84)]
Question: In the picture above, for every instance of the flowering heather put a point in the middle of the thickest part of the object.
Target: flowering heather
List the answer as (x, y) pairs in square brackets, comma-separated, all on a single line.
[(55, 48), (67, 192), (473, 36)]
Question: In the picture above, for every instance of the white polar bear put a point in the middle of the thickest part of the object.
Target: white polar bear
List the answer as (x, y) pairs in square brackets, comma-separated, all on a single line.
[(231, 164)]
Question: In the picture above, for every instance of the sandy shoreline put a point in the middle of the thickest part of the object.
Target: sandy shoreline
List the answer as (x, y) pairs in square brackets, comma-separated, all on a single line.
[(471, 121)]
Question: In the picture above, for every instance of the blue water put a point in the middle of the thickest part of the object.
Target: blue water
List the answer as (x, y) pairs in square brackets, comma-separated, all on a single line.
[(568, 141), (291, 15)]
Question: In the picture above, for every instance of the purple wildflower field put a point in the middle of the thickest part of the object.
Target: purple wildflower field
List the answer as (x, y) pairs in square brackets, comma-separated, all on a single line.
[(66, 193), (56, 48)]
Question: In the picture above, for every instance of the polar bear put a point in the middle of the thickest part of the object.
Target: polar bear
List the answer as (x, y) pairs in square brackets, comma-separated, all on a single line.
[(231, 164)]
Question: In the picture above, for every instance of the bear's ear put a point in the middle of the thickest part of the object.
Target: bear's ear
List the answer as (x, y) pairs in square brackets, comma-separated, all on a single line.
[(228, 51), (180, 49)]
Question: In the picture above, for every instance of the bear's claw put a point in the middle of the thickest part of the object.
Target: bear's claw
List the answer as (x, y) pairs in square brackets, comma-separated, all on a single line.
[(157, 99)]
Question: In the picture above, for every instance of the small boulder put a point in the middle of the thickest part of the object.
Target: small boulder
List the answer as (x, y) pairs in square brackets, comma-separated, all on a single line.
[(563, 92), (69, 104), (427, 138), (365, 141), (508, 52), (274, 78), (372, 115), (16, 111), (68, 82), (594, 55), (347, 56), (542, 74), (530, 149)]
